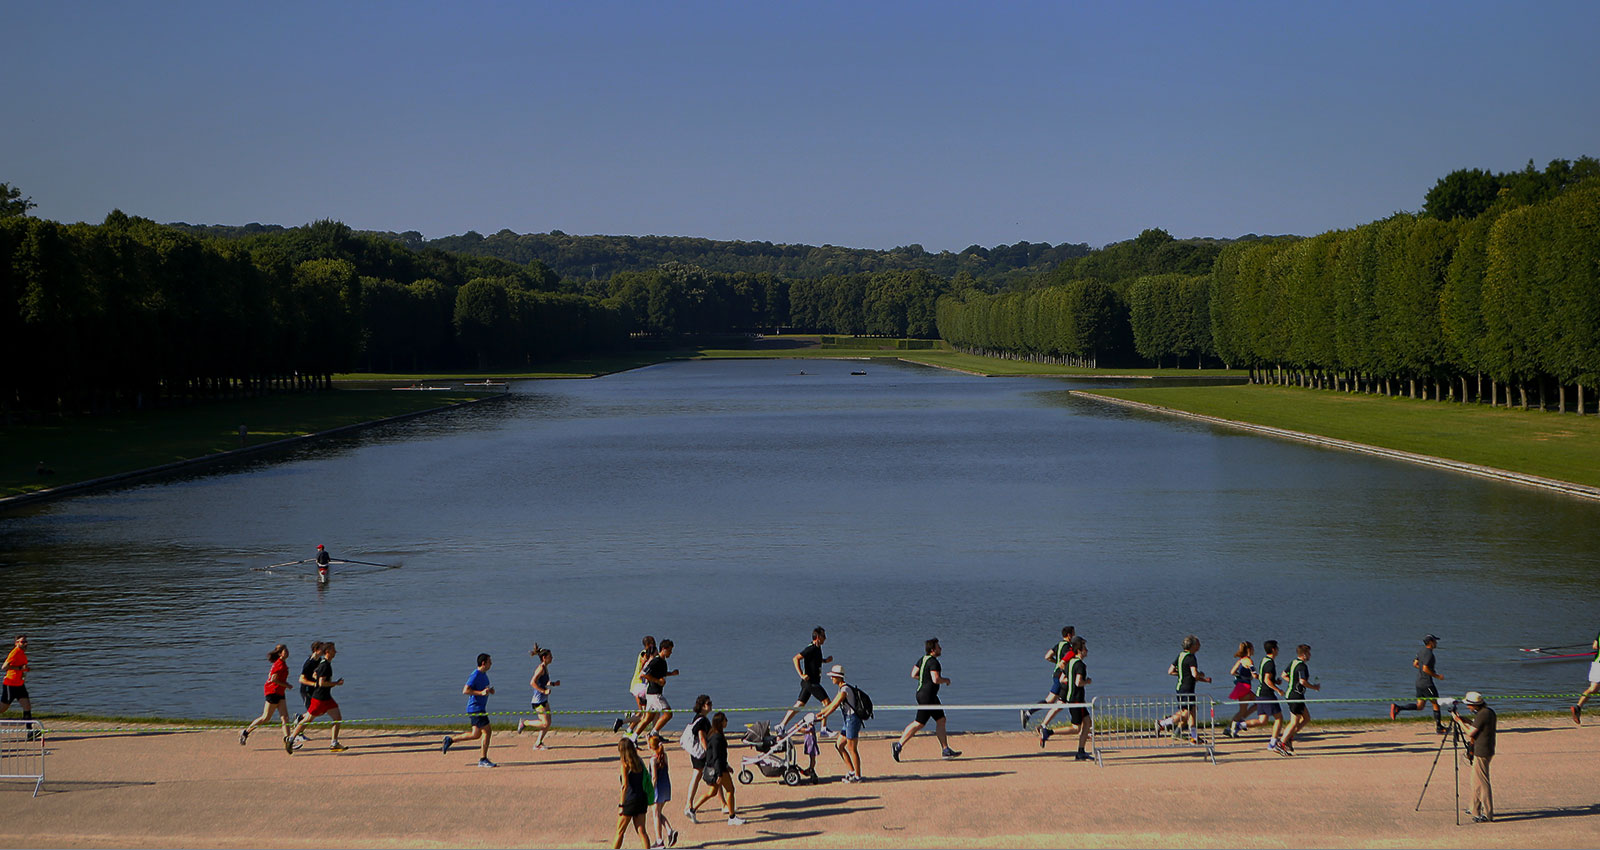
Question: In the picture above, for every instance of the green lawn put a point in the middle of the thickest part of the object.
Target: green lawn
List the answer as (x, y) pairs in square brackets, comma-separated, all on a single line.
[(1553, 445), (79, 448)]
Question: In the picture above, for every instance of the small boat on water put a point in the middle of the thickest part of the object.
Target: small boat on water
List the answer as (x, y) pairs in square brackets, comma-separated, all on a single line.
[(421, 388), (1556, 653), (859, 372), (484, 384)]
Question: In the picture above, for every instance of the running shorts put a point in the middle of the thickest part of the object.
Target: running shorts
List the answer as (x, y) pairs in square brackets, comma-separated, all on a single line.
[(1055, 682), (1268, 706), (13, 693), (656, 702), (697, 762), (1428, 691), (810, 689), (638, 690), (1594, 672), (1185, 700), (274, 699), (319, 707), (1241, 691), (478, 719), (1078, 715), (1299, 709), (926, 714)]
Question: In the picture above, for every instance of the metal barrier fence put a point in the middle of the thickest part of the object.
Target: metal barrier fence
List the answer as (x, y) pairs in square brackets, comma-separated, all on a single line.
[(1134, 723), (22, 751)]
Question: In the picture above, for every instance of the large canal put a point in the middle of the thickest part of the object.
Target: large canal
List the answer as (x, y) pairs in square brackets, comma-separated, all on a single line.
[(733, 505)]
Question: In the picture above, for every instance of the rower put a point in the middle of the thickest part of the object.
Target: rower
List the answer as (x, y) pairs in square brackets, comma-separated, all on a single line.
[(322, 564)]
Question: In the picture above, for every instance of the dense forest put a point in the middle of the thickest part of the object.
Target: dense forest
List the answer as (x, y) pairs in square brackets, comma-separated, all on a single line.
[(1495, 283)]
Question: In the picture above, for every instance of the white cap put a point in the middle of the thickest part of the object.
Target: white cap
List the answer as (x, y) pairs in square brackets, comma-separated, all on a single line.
[(1473, 698), (837, 671)]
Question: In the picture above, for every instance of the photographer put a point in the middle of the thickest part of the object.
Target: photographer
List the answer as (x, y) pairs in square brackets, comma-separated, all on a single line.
[(1480, 750)]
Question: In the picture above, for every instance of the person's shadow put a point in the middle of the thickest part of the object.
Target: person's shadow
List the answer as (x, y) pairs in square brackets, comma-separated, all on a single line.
[(1553, 812)]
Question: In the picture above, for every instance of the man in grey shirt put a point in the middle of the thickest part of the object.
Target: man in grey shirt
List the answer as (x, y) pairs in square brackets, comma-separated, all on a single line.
[(1427, 691), (1480, 749)]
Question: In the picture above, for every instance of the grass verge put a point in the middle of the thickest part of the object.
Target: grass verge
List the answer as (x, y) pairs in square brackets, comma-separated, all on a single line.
[(80, 448), (1565, 447)]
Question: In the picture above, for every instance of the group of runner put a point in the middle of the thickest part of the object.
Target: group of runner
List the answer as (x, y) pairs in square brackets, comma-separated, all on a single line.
[(316, 685)]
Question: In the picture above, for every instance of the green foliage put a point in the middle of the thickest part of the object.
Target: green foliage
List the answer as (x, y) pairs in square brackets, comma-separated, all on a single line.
[(12, 203), (1471, 192)]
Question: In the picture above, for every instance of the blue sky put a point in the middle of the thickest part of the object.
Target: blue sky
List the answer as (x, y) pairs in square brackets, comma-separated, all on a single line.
[(858, 124)]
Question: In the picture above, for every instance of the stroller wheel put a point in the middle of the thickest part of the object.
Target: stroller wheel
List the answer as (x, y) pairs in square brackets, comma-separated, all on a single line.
[(791, 777), (746, 777)]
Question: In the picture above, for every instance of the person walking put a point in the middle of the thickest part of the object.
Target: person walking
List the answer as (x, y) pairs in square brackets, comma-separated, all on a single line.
[(276, 686), (1059, 656), (1187, 668), (635, 799), (1075, 694), (478, 691), (322, 702), (1480, 751), (693, 741), (929, 677), (655, 675), (1427, 691), (1243, 673), (717, 773), (1267, 694), (541, 684), (1298, 678), (808, 666), (847, 703), (308, 683), (1594, 684), (661, 780), (636, 685), (14, 686)]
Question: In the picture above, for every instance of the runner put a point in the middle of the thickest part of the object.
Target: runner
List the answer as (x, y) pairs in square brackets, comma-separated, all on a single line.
[(1057, 655), (1299, 678), (693, 742), (636, 684), (276, 686), (635, 799), (808, 666), (541, 684), (1243, 672), (845, 701), (1426, 689), (661, 780), (718, 774), (1074, 693), (478, 691), (655, 703), (322, 702), (14, 687), (308, 683), (1594, 684), (1187, 669), (1267, 694), (322, 564), (928, 676)]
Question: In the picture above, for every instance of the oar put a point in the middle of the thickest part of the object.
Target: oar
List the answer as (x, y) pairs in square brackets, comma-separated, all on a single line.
[(284, 564), (366, 564), (1562, 646)]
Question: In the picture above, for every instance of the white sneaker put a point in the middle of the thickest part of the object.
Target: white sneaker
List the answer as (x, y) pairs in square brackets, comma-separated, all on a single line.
[(521, 721), (735, 821)]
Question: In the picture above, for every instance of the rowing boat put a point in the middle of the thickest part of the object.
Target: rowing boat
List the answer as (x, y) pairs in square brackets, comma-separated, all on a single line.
[(1555, 654)]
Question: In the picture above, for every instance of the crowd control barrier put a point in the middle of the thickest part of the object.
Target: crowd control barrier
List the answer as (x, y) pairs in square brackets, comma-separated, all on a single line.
[(1133, 723), (22, 751)]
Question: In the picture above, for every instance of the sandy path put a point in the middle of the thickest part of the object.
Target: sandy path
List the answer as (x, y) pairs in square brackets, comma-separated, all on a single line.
[(1348, 787)]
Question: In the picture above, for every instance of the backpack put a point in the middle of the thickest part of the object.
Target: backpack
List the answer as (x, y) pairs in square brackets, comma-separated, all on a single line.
[(862, 703), (690, 742)]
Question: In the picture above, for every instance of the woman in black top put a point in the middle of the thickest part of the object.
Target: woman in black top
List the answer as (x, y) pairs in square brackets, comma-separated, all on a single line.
[(717, 763), (633, 804)]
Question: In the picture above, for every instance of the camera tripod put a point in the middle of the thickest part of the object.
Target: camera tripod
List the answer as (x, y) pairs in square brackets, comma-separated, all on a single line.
[(1453, 738)]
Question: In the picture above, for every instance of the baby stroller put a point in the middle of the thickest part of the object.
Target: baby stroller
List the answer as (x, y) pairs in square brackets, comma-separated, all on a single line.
[(774, 756)]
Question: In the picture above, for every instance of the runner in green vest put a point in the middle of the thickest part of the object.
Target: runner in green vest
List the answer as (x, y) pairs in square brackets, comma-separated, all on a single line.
[(928, 679), (1074, 693), (1058, 656), (1298, 679), (1187, 669), (1594, 683)]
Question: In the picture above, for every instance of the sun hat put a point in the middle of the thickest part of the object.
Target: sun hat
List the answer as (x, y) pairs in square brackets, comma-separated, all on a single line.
[(837, 671), (1473, 698)]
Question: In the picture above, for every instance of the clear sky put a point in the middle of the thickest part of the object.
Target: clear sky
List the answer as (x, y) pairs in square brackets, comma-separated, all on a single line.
[(860, 124)]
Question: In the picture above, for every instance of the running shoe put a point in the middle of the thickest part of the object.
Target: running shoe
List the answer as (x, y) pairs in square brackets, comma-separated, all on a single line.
[(1272, 744), (735, 821), (895, 749), (1082, 756), (447, 742), (689, 813), (486, 763), (1228, 732), (1394, 711), (672, 838), (949, 753), (301, 738), (288, 744), (1044, 735), (1239, 728), (617, 726), (337, 747), (244, 735), (521, 721), (540, 747), (1024, 713), (1576, 712)]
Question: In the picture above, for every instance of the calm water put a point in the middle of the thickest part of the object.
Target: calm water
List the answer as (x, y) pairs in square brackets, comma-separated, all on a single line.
[(733, 505)]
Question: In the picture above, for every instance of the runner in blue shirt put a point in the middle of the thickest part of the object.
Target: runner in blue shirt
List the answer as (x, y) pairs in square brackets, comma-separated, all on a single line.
[(477, 690)]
